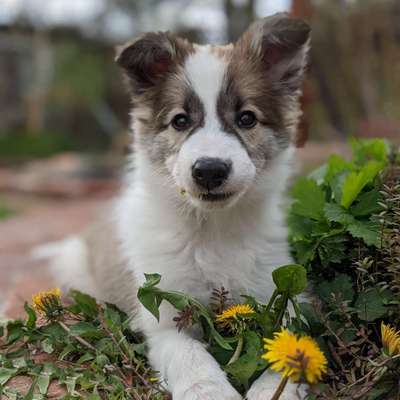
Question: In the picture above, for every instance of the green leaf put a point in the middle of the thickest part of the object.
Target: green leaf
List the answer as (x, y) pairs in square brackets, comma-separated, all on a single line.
[(87, 304), (6, 374), (152, 280), (300, 227), (336, 165), (355, 182), (178, 300), (335, 213), (290, 279), (305, 251), (319, 174), (47, 346), (31, 391), (368, 203), (43, 382), (312, 318), (112, 316), (31, 321), (370, 305), (332, 249), (370, 149), (149, 295), (87, 330), (221, 341), (368, 231), (336, 185), (70, 384), (102, 360), (309, 199), (67, 350), (86, 357), (15, 331), (139, 349), (340, 287), (149, 298), (243, 369), (266, 323)]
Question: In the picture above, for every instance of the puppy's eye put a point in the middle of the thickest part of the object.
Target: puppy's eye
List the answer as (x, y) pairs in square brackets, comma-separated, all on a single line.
[(246, 120), (180, 122)]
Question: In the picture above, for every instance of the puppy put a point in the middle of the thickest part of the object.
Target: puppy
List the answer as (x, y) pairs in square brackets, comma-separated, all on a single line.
[(213, 130)]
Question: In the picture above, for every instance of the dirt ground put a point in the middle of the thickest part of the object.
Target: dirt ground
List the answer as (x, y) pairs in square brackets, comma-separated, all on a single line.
[(56, 206)]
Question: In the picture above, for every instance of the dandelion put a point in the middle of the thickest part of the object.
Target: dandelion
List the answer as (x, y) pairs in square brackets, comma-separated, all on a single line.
[(234, 312), (48, 303), (234, 318), (297, 358), (390, 340)]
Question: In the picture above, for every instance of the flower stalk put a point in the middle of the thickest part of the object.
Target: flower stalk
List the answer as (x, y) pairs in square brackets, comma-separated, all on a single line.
[(280, 388), (237, 352)]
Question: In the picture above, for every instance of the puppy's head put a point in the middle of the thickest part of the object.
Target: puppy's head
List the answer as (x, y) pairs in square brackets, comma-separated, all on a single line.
[(214, 118)]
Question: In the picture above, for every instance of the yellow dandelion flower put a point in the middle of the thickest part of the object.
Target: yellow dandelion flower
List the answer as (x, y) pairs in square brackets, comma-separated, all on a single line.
[(233, 312), (295, 357), (390, 340), (48, 303)]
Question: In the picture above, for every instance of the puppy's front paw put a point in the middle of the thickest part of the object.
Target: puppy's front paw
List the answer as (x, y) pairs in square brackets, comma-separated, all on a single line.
[(206, 390)]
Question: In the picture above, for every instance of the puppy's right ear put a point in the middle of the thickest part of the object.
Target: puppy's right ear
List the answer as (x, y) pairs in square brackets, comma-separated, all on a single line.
[(149, 58)]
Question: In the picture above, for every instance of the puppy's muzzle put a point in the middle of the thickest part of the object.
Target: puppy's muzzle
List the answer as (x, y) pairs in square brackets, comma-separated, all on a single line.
[(211, 173)]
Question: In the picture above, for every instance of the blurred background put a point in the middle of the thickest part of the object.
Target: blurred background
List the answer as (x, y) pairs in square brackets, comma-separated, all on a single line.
[(64, 109)]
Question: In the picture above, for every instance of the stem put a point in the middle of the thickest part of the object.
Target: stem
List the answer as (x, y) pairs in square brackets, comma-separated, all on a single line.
[(237, 352), (296, 308), (272, 300), (77, 337), (281, 312), (280, 388)]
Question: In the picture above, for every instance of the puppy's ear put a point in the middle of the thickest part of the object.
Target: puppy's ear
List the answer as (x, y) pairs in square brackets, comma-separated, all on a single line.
[(282, 44), (149, 58)]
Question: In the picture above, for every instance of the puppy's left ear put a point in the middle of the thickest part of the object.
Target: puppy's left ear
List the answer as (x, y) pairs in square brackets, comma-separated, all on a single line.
[(148, 59), (282, 44)]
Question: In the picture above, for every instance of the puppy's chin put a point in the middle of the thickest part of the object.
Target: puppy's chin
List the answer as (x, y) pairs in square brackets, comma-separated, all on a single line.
[(214, 202)]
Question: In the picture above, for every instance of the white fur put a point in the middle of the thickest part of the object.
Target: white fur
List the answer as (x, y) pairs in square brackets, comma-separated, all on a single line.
[(69, 263), (210, 140), (236, 247), (266, 386), (196, 250)]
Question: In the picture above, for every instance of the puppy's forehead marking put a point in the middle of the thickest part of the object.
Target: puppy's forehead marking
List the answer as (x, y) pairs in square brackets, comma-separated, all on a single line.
[(205, 71)]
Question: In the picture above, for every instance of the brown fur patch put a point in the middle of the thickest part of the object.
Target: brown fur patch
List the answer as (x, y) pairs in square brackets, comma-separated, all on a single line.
[(265, 72)]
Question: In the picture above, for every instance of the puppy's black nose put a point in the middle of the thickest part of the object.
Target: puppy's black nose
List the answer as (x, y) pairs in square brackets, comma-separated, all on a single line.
[(210, 173)]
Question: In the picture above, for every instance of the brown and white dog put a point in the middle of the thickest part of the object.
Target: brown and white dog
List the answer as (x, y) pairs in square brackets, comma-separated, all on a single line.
[(214, 128)]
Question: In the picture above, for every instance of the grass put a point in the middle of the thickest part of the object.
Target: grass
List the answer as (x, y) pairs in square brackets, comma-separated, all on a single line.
[(5, 212), (33, 144)]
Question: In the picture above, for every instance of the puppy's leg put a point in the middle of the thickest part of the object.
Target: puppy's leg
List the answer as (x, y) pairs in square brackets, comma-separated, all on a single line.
[(190, 372), (265, 386), (92, 263)]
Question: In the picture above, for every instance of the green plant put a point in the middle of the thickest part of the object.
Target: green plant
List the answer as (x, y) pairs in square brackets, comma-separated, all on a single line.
[(5, 212), (235, 335), (344, 228), (18, 144), (86, 348)]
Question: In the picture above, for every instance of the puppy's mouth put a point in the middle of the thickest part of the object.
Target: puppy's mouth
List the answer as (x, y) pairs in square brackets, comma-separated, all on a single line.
[(215, 197)]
